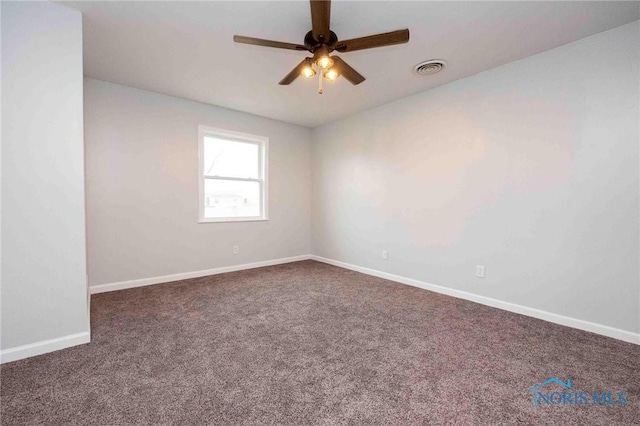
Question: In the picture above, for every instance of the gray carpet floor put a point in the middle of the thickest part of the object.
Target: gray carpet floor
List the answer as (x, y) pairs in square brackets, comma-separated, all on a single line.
[(311, 344)]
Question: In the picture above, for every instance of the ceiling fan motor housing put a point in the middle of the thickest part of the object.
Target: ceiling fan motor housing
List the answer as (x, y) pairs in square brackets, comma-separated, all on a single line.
[(312, 44)]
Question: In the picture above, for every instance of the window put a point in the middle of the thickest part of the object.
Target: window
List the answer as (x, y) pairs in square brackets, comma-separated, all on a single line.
[(233, 175)]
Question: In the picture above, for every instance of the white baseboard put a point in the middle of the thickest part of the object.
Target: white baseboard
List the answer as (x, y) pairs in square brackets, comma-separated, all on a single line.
[(103, 288), (44, 346), (604, 330)]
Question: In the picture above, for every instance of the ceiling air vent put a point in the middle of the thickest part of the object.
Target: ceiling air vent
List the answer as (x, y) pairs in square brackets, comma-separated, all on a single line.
[(431, 67)]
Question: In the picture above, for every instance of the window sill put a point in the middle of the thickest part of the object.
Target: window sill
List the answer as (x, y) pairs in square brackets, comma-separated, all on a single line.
[(234, 219)]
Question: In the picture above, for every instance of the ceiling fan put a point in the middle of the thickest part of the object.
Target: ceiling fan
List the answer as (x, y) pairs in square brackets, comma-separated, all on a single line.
[(321, 41)]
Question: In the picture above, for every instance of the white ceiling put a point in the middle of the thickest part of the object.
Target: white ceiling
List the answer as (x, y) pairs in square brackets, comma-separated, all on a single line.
[(185, 49)]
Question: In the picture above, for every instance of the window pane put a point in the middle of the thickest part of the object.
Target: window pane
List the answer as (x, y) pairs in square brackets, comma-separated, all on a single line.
[(230, 158), (227, 198)]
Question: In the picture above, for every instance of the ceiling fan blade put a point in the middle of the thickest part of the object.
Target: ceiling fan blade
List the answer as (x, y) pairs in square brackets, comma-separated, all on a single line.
[(378, 40), (267, 43), (320, 18), (288, 79), (346, 71)]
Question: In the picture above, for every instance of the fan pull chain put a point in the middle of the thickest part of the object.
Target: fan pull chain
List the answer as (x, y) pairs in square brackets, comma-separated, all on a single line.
[(319, 81)]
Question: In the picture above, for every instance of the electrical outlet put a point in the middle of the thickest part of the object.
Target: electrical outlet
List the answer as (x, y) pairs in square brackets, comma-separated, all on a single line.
[(480, 271), (236, 249), (385, 255)]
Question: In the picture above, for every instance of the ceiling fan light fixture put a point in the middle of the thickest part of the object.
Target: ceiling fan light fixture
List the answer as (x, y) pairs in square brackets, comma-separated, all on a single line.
[(322, 59), (308, 71), (324, 62), (331, 74)]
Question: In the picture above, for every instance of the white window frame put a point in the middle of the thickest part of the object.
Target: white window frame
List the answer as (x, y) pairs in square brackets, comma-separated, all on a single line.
[(263, 151)]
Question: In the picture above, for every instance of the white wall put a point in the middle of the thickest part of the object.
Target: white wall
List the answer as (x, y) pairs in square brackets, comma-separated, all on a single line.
[(44, 289), (531, 169), (142, 188)]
